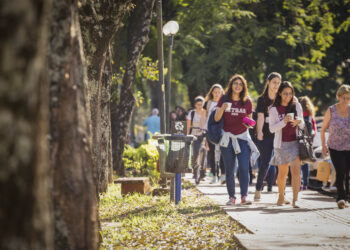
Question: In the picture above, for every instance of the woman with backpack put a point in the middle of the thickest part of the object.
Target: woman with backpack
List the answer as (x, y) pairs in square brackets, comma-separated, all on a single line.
[(265, 138), (235, 143), (310, 125), (211, 100), (285, 118)]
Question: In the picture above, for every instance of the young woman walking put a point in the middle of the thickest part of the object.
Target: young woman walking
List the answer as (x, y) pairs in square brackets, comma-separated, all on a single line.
[(265, 138), (236, 142), (310, 125), (196, 118), (211, 100), (337, 121), (286, 115)]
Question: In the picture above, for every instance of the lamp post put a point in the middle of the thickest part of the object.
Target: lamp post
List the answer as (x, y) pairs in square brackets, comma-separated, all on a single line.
[(160, 66), (169, 30)]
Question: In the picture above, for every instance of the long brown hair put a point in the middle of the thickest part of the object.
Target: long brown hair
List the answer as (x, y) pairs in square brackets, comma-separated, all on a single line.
[(209, 95), (291, 104), (243, 94), (307, 105), (265, 93)]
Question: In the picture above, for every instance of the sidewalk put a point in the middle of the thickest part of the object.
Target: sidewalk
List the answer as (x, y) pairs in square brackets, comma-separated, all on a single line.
[(318, 223)]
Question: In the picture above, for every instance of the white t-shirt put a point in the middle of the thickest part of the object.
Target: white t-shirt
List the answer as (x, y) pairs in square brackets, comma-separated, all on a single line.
[(195, 122), (212, 107), (209, 111)]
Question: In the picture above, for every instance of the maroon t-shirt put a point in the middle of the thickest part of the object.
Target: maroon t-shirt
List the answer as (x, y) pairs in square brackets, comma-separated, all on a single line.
[(233, 119), (288, 132)]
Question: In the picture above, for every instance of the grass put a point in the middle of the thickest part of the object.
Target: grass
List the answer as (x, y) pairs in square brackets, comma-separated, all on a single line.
[(153, 222)]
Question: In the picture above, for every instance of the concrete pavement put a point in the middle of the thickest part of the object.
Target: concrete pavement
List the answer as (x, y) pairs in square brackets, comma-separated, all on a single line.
[(318, 223)]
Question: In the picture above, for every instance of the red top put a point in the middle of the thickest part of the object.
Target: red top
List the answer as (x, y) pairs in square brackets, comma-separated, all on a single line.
[(233, 119), (314, 127), (289, 133)]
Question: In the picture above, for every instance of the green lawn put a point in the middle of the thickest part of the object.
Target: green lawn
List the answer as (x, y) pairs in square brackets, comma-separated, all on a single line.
[(144, 221)]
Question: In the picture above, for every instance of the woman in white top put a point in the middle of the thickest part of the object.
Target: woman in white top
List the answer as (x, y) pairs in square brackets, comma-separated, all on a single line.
[(196, 118), (211, 100), (286, 115)]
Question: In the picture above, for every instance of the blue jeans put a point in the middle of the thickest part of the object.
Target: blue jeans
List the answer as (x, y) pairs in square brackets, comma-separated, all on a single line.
[(229, 158), (305, 171), (272, 176), (265, 148)]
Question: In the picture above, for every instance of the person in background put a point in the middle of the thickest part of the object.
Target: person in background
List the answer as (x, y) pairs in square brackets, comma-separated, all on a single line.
[(286, 115), (211, 100), (196, 118), (265, 138), (310, 125), (337, 121), (180, 113), (235, 143), (173, 117), (153, 123)]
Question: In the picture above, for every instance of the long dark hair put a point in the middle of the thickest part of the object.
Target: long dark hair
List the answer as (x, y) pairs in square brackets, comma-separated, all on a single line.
[(291, 105), (265, 93), (244, 93)]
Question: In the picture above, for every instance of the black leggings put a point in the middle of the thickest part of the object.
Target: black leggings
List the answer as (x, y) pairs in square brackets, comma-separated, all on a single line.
[(213, 169), (341, 162)]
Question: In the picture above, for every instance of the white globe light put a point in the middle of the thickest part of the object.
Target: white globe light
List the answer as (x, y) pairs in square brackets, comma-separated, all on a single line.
[(170, 28)]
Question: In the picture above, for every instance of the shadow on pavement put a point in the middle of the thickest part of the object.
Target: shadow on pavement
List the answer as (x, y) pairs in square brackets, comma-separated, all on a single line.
[(276, 210)]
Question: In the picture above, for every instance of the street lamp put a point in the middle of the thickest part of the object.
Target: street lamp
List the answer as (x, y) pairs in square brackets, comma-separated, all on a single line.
[(169, 30)]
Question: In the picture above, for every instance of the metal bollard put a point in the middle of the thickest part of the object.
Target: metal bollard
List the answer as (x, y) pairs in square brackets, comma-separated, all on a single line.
[(177, 188)]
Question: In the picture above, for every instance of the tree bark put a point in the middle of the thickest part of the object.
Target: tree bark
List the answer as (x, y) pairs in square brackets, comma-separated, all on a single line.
[(25, 204), (139, 27), (100, 20), (74, 190)]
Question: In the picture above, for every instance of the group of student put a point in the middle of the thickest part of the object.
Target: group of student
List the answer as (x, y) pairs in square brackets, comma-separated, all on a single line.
[(279, 116)]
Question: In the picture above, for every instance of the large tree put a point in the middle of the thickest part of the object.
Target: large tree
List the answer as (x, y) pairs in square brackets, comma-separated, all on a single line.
[(100, 20), (138, 30), (74, 189), (25, 204)]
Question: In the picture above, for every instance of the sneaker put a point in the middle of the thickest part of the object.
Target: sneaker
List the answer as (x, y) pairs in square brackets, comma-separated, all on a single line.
[(245, 200), (213, 180), (223, 179), (257, 195), (341, 204), (269, 190), (301, 188), (304, 188), (231, 201)]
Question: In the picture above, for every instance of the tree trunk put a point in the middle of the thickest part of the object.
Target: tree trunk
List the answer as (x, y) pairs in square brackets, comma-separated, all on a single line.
[(100, 20), (25, 204), (74, 191), (139, 27)]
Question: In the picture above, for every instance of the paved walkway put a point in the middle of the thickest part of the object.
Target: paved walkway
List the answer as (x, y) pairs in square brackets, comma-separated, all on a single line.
[(318, 223)]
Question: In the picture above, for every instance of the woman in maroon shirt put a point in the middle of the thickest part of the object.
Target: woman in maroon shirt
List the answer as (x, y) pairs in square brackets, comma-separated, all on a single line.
[(285, 117), (233, 107)]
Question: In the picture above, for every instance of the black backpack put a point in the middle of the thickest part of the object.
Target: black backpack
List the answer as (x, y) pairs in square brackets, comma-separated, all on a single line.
[(215, 128)]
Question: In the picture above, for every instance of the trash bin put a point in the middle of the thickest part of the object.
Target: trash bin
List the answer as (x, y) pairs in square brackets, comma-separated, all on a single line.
[(174, 156), (177, 150)]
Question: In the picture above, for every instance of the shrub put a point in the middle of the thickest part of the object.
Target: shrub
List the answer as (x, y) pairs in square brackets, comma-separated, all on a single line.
[(142, 161)]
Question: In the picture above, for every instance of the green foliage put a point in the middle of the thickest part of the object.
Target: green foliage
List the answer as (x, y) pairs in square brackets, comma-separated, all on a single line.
[(141, 221), (141, 161), (306, 41)]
